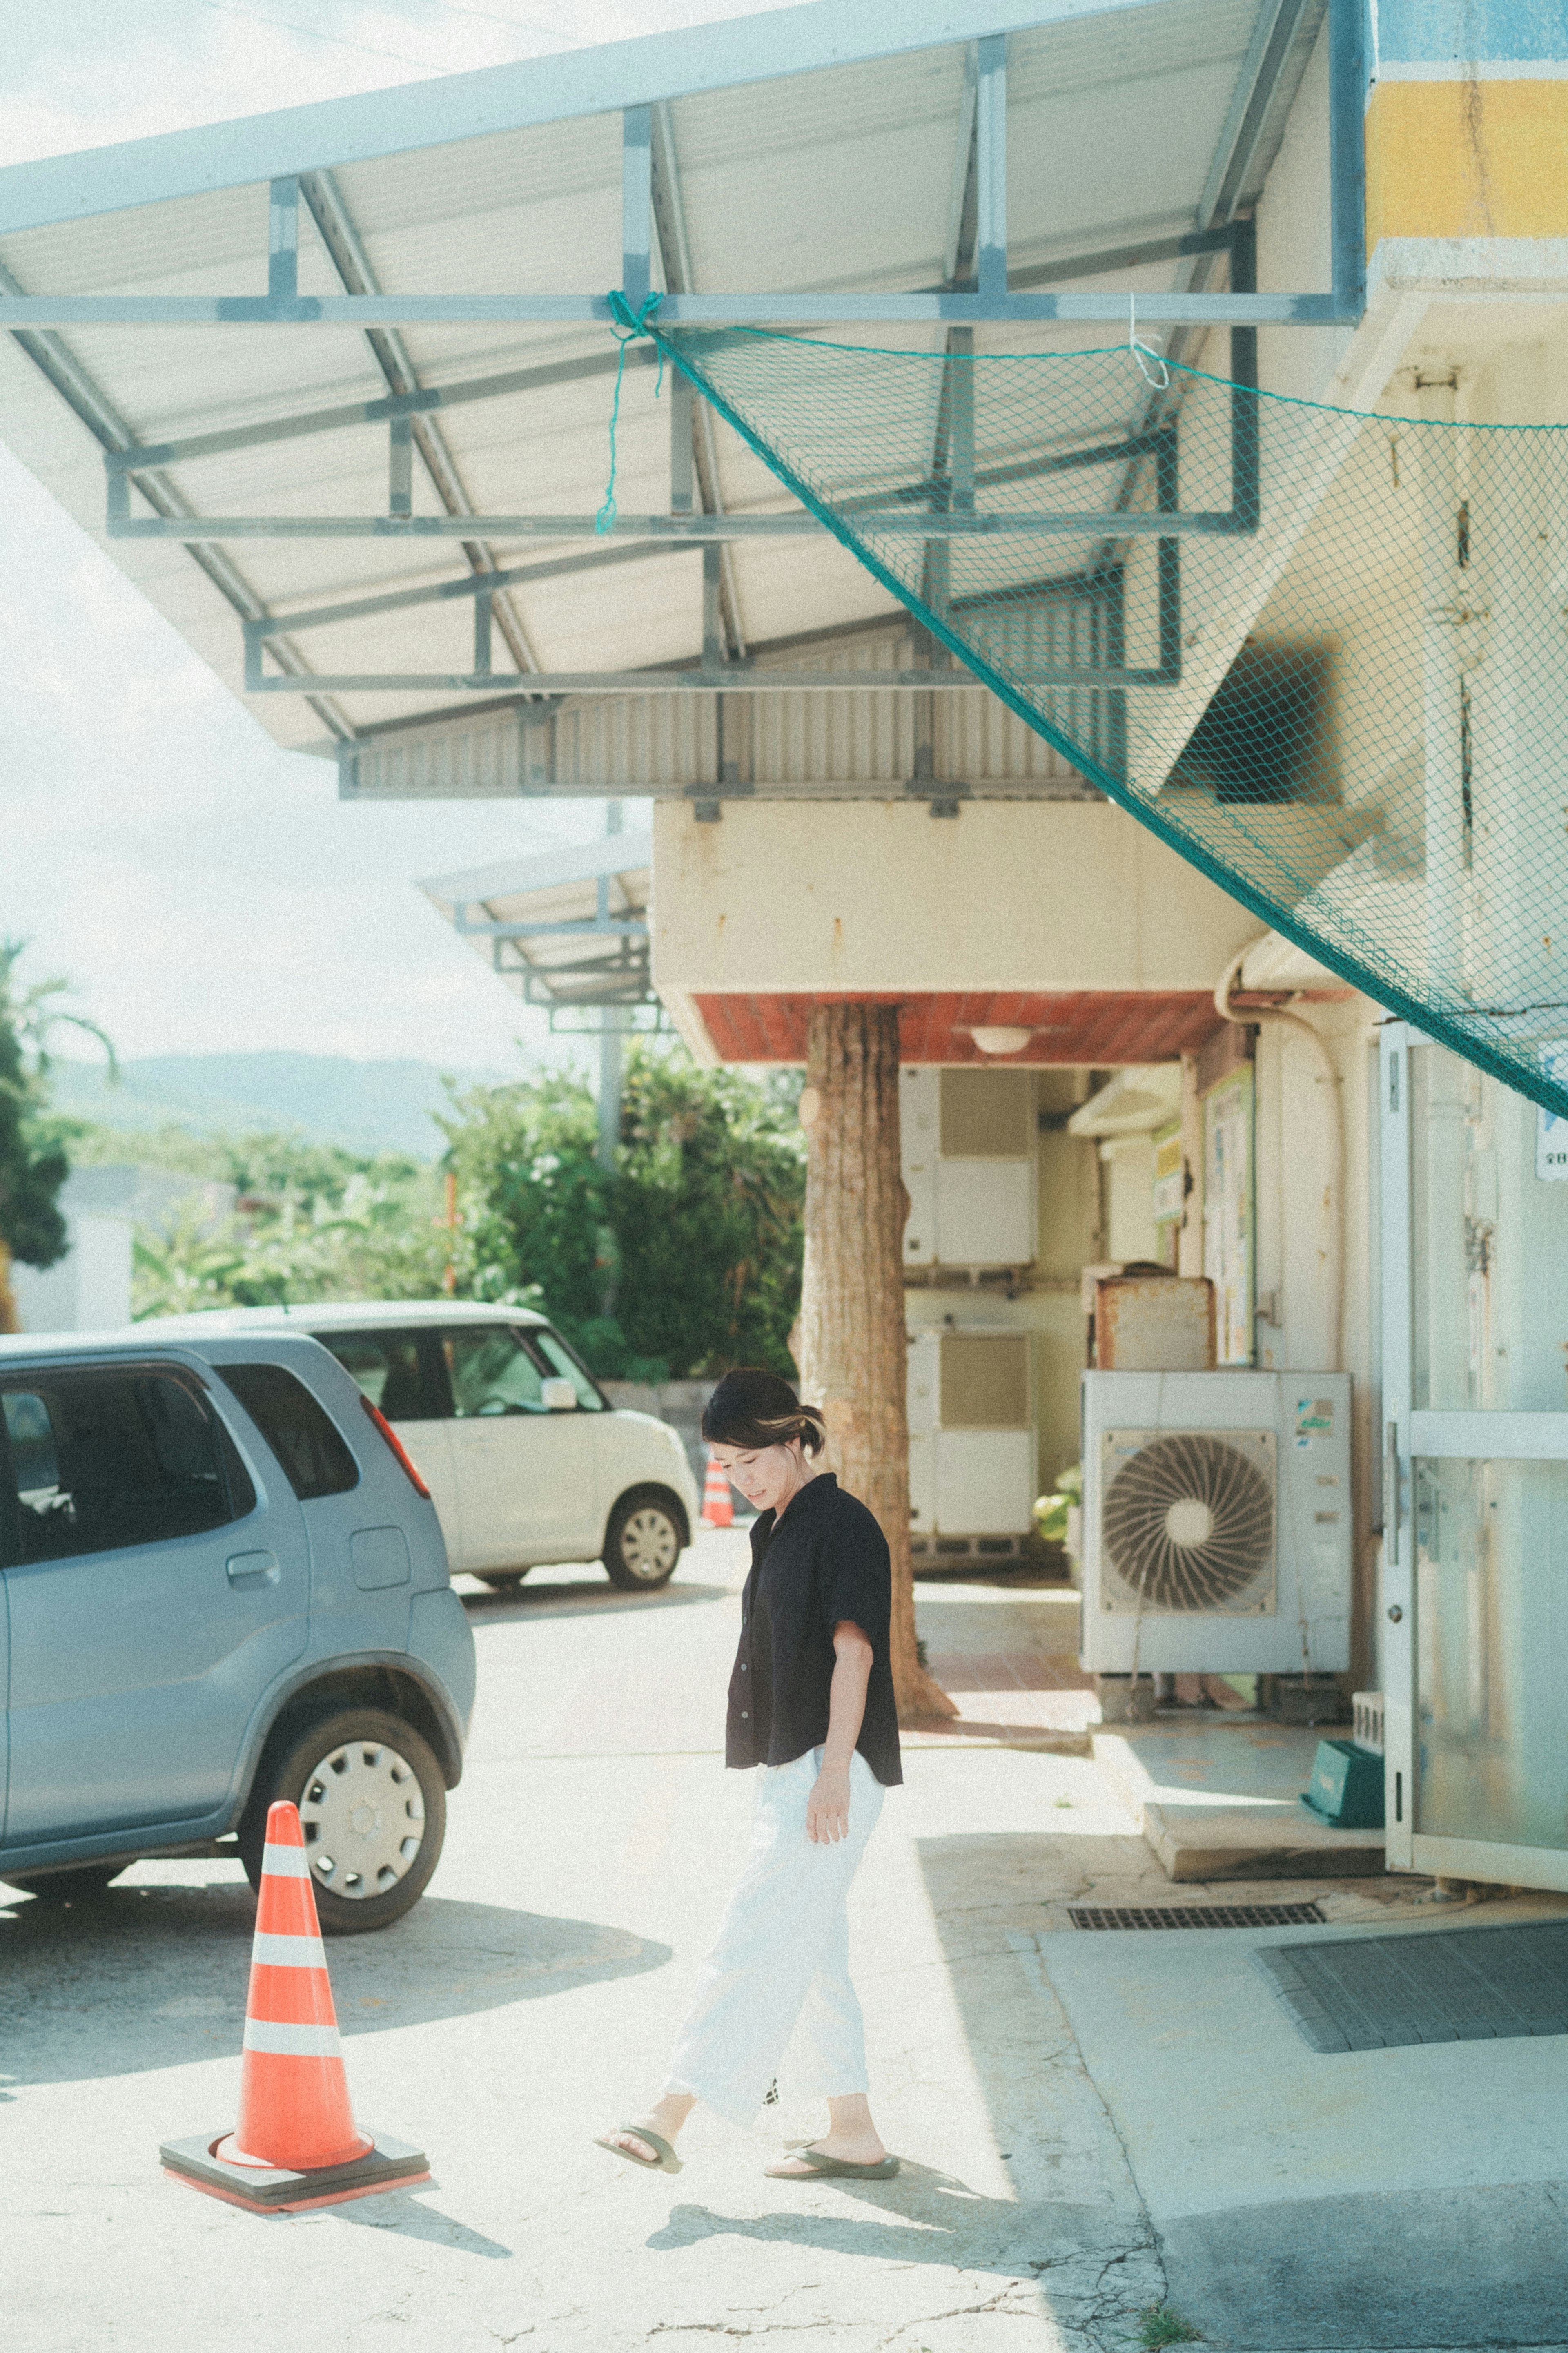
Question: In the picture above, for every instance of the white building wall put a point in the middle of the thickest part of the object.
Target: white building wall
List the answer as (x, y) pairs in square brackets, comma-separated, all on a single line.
[(88, 1290)]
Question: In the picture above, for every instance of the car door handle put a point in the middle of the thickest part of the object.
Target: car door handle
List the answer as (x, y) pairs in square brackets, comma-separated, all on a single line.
[(248, 1570)]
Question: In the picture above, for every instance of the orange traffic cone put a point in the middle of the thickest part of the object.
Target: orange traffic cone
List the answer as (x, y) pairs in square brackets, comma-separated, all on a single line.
[(718, 1510), (296, 2144)]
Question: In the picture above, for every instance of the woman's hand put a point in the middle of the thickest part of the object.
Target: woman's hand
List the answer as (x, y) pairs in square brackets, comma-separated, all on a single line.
[(827, 1808)]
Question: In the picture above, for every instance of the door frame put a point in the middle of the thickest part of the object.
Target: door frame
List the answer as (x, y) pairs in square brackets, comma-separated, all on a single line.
[(1411, 1434)]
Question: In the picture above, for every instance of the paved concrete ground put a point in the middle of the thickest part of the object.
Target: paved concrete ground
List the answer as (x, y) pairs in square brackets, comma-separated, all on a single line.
[(1220, 1797), (529, 2000)]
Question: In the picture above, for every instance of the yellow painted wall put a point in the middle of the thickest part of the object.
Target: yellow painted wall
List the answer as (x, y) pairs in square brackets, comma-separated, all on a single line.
[(1482, 158)]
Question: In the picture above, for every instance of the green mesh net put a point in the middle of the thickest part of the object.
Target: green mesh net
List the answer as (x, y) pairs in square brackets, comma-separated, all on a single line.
[(1323, 655)]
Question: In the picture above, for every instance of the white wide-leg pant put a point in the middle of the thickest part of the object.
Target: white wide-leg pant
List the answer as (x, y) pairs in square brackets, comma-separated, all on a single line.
[(782, 1956)]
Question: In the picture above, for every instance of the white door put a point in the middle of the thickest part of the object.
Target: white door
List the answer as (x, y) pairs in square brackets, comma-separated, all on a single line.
[(1474, 1602), (527, 1477)]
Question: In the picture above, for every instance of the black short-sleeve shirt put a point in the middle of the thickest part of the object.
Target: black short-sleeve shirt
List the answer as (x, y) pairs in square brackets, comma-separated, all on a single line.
[(826, 1561)]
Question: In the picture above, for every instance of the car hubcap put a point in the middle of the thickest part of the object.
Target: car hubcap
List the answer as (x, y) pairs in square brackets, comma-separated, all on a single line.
[(362, 1814), (649, 1545)]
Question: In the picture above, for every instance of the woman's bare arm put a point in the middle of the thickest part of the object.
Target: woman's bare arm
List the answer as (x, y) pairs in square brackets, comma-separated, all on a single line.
[(827, 1808)]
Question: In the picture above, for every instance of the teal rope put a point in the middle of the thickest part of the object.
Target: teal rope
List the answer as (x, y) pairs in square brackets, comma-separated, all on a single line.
[(630, 325)]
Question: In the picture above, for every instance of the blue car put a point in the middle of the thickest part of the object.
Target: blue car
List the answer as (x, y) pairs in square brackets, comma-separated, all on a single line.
[(224, 1583)]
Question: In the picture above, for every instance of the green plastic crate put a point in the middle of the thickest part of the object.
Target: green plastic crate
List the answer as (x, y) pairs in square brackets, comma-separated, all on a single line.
[(1346, 1787)]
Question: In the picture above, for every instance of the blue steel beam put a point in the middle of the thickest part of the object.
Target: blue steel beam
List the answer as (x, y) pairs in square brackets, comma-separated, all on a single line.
[(808, 309), (555, 373), (581, 927), (991, 168), (731, 679), (673, 531)]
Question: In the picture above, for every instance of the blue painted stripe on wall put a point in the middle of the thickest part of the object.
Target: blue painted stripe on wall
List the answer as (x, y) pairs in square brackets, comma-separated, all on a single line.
[(1454, 32)]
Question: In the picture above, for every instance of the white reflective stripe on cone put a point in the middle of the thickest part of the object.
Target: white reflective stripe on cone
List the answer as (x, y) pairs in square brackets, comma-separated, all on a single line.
[(288, 1952), (285, 1862), (292, 2041)]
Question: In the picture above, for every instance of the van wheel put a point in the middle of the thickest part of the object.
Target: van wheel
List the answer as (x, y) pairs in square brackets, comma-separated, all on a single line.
[(78, 1887), (644, 1540), (373, 1807)]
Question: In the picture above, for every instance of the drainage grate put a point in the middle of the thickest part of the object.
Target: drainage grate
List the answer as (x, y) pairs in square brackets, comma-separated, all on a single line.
[(1464, 1985), (1195, 1916)]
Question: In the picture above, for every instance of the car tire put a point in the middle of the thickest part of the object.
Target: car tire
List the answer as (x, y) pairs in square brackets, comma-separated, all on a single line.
[(644, 1540), (78, 1887), (334, 1770), (500, 1580)]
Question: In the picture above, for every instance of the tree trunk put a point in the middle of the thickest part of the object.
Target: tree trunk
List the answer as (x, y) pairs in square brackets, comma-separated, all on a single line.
[(852, 1340)]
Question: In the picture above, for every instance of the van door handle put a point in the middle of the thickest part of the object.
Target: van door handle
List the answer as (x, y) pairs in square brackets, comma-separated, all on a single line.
[(248, 1571)]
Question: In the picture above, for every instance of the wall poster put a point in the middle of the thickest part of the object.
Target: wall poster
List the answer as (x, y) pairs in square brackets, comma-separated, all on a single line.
[(1229, 1217)]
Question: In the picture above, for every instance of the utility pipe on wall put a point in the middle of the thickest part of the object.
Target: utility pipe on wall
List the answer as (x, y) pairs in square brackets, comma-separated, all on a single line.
[(1334, 1205)]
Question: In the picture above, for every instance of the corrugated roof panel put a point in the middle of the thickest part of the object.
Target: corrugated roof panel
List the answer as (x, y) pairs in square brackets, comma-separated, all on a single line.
[(828, 178), (648, 740)]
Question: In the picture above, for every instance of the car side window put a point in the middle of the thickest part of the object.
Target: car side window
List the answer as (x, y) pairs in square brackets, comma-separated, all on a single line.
[(103, 1461), (563, 1366), (491, 1372), (298, 1427), (390, 1368)]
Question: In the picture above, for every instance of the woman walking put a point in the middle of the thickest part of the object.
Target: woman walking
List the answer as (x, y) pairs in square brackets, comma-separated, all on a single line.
[(811, 1702)]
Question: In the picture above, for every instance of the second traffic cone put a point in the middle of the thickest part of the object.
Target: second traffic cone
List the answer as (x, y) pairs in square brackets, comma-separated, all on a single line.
[(296, 2144), (718, 1510)]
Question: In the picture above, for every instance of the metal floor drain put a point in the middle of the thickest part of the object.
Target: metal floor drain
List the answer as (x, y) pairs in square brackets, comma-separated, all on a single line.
[(1464, 1985), (1195, 1916)]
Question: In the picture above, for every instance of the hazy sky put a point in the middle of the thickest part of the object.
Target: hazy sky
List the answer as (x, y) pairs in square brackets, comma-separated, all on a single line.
[(203, 889)]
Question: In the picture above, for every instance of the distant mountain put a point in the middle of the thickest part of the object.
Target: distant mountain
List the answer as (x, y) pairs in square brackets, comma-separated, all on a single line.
[(362, 1107)]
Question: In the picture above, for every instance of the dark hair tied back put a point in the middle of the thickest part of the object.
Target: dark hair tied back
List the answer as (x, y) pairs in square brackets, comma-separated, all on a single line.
[(751, 1408)]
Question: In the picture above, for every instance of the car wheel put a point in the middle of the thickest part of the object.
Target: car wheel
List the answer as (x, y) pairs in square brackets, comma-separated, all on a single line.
[(500, 1580), (373, 1807), (78, 1887), (643, 1541)]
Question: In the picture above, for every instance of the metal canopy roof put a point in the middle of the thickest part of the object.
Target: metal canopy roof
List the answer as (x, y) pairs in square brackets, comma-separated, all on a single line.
[(389, 463), (568, 929)]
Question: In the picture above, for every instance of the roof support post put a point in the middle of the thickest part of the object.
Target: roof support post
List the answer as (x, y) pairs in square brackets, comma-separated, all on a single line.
[(991, 167), (636, 203), (1244, 420), (283, 241), (680, 452), (1347, 154), (712, 630), (483, 604), (400, 466)]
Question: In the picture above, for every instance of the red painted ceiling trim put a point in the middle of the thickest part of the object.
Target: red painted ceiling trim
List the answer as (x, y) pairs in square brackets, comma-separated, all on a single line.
[(1103, 1028)]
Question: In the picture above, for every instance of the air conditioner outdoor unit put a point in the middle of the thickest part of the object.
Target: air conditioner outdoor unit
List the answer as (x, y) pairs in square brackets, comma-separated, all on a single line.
[(1216, 1523)]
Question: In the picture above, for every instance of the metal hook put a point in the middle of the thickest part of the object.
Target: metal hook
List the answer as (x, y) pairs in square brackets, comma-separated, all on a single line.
[(1160, 383)]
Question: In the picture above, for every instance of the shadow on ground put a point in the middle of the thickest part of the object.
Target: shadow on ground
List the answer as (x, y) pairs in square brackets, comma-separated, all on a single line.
[(590, 1598), (922, 2217), (1433, 2267), (157, 1977)]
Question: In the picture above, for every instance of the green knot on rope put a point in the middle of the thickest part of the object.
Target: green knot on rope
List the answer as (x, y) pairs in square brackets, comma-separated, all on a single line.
[(629, 324)]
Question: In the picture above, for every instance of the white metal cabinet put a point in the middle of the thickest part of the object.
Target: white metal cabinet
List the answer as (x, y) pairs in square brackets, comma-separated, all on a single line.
[(1473, 1605)]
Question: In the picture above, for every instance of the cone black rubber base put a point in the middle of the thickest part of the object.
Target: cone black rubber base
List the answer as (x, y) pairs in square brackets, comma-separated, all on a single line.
[(264, 2189)]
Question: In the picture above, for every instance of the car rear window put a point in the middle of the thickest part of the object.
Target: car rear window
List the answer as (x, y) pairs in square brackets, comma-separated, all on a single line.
[(101, 1461), (300, 1430)]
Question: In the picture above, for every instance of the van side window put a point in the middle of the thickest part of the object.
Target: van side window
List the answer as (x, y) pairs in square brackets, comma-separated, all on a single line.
[(390, 1368), (300, 1430), (490, 1371), (563, 1366), (101, 1461)]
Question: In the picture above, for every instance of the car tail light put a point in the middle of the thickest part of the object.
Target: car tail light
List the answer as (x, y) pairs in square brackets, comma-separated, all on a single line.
[(397, 1446)]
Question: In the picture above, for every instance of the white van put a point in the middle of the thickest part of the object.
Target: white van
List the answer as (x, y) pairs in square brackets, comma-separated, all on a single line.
[(526, 1460)]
